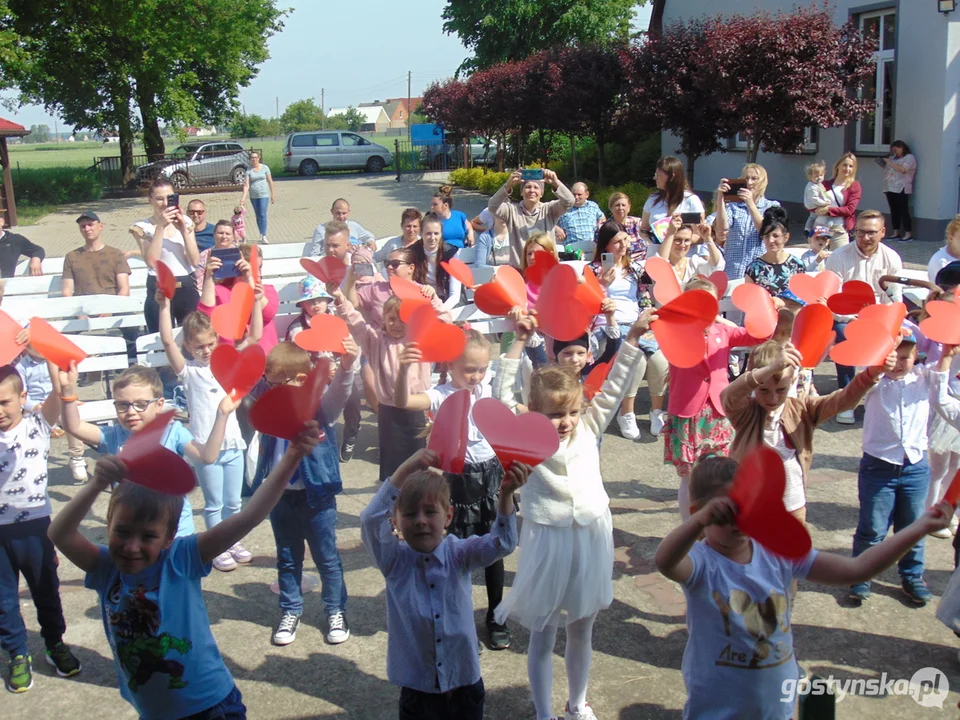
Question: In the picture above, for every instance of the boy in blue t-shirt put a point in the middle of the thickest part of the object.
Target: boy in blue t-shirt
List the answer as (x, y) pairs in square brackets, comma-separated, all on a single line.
[(739, 659), (148, 583)]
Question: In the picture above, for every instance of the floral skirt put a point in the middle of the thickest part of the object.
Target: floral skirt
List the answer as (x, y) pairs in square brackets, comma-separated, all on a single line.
[(686, 440)]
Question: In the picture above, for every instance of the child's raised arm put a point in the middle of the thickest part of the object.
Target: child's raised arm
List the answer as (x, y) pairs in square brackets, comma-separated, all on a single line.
[(401, 392), (206, 453), (673, 553), (86, 432), (170, 347), (338, 392), (737, 394), (51, 407)]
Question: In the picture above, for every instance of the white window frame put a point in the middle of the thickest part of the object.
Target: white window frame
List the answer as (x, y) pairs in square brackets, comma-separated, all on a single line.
[(810, 141), (881, 57)]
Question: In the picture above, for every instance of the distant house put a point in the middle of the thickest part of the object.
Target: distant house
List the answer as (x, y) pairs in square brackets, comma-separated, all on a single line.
[(375, 119), (200, 132), (408, 108), (395, 111)]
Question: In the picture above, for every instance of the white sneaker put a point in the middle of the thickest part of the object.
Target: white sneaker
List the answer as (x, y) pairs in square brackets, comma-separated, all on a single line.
[(338, 632), (584, 713), (628, 426), (224, 562), (656, 422), (78, 467), (942, 533), (286, 631), (264, 241), (239, 553), (954, 524), (846, 417)]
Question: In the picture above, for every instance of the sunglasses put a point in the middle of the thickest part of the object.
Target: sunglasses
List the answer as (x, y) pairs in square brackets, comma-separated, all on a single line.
[(394, 264)]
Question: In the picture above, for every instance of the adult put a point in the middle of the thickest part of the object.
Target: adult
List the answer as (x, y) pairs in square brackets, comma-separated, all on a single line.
[(167, 237), (844, 192), (529, 215), (672, 196), (356, 233), (619, 206), (336, 241), (224, 238), (369, 299), (949, 253), (202, 230), (772, 270), (409, 234), (457, 230), (741, 219), (12, 246), (491, 236), (675, 249), (258, 186), (430, 251), (866, 259), (900, 167), (581, 222)]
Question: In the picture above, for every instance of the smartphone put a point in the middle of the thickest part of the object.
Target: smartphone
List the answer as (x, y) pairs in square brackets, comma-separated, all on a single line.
[(735, 187), (880, 161), (173, 200), (363, 270), (607, 260), (229, 257), (535, 174), (693, 218)]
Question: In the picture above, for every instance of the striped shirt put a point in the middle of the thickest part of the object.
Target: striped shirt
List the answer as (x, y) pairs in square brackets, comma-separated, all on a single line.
[(580, 223), (743, 241)]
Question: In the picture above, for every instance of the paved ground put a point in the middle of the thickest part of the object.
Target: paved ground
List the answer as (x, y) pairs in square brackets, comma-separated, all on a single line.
[(638, 642)]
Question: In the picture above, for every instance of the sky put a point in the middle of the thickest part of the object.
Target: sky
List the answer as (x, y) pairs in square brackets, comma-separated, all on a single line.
[(358, 51)]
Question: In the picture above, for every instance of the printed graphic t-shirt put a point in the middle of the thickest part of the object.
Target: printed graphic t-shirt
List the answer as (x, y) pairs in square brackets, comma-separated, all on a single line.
[(23, 471)]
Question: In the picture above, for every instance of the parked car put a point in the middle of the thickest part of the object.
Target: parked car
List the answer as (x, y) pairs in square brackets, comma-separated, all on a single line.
[(307, 153), (449, 154), (216, 162)]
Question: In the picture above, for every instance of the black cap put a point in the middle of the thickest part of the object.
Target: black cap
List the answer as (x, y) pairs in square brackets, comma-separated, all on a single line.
[(88, 215)]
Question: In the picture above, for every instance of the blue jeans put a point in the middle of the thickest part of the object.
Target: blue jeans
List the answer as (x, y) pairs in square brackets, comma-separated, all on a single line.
[(484, 241), (844, 373), (891, 495), (230, 708), (295, 522), (260, 210), (221, 482)]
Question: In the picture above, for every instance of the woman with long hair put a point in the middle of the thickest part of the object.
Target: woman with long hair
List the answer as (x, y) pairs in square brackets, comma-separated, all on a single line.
[(844, 191), (772, 270), (457, 230), (430, 251), (741, 219), (900, 167), (672, 196), (258, 186)]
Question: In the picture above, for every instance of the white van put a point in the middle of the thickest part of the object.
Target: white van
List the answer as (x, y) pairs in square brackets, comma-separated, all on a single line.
[(307, 153)]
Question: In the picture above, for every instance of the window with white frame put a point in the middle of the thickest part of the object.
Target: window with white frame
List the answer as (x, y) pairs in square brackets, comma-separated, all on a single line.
[(811, 136), (875, 130)]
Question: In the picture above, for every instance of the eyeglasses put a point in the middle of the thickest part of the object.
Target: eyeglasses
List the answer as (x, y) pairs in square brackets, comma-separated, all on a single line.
[(138, 405), (196, 212), (285, 381), (394, 264), (867, 233)]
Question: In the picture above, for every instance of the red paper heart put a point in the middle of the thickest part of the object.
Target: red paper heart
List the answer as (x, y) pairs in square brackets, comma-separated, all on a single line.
[(890, 316), (406, 289), (438, 341), (561, 309), (529, 438), (758, 493), (9, 329), (867, 344), (943, 325), (152, 465), (666, 287), (590, 292), (543, 262), (449, 433), (810, 288), (720, 281), (852, 298), (238, 372), (812, 333), (255, 264), (166, 280), (760, 315), (326, 269), (282, 411), (952, 495), (326, 334), (504, 292), (460, 270), (680, 325), (596, 378), (53, 346), (230, 319)]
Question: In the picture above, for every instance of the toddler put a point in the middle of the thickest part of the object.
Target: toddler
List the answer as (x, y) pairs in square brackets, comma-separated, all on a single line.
[(239, 224), (312, 300), (819, 244), (815, 194)]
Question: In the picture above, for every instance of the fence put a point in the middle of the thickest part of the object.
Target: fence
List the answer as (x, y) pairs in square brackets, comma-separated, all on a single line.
[(416, 158), (198, 168)]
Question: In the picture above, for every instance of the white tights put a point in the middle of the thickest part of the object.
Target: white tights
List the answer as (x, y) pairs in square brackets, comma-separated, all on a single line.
[(943, 466), (577, 658)]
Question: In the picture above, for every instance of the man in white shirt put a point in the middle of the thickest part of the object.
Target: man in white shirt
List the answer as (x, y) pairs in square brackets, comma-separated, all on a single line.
[(358, 235)]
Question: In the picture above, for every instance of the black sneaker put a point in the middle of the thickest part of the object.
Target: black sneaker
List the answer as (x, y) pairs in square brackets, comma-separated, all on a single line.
[(346, 450), (499, 636), (859, 592), (905, 239), (63, 660), (286, 631), (917, 591)]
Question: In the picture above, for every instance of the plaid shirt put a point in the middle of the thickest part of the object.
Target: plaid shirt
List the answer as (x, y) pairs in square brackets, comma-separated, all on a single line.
[(744, 244), (580, 223)]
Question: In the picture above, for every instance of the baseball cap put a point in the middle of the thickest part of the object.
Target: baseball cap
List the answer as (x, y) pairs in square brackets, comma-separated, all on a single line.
[(821, 230), (88, 215), (907, 335)]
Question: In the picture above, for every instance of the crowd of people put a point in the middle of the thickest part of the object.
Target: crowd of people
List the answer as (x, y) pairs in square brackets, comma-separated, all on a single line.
[(427, 530)]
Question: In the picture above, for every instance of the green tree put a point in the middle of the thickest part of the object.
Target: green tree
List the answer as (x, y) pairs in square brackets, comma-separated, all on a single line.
[(355, 119), (39, 133), (247, 126), (301, 115), (336, 122), (507, 30)]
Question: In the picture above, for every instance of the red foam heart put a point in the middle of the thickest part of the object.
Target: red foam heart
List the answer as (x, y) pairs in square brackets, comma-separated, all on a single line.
[(438, 341), (326, 334), (9, 329), (561, 310), (867, 344), (326, 269), (758, 493), (237, 372), (812, 333), (405, 289), (666, 286), (529, 438), (680, 325), (152, 465), (230, 319), (952, 495), (282, 411), (504, 292), (943, 325), (449, 434), (760, 315), (596, 378), (720, 281), (889, 316), (852, 298), (255, 263), (460, 270), (543, 262), (590, 292), (810, 288), (166, 280), (53, 346)]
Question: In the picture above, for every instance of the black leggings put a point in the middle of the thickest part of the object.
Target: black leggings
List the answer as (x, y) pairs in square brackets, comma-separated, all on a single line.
[(900, 211), (184, 302)]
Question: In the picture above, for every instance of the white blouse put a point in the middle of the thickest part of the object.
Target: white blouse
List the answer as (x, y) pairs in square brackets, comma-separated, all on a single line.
[(174, 252)]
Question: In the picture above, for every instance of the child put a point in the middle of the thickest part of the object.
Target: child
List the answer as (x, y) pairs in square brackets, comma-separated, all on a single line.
[(429, 603), (138, 399), (307, 509), (475, 491), (819, 251), (815, 194), (738, 599), (697, 426), (148, 585), (239, 224), (369, 297), (313, 300), (565, 569), (536, 242), (24, 547), (760, 411), (949, 253), (222, 480)]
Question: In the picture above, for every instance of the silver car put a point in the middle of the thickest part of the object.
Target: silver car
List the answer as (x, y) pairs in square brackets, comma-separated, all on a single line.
[(218, 162), (307, 153)]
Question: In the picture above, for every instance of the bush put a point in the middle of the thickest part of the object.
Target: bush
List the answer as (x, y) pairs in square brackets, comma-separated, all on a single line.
[(56, 186), (637, 192), (492, 181)]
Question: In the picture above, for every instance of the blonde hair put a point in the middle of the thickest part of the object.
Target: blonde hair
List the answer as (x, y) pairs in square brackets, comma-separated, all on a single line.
[(196, 323), (764, 355), (699, 283), (423, 485), (761, 187), (845, 156), (871, 215), (392, 305), (553, 385), (815, 168), (542, 239), (287, 359), (953, 227), (617, 196), (476, 339)]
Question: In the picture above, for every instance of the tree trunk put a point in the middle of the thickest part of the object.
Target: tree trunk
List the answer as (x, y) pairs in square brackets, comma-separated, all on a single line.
[(121, 109), (751, 149), (691, 162), (152, 139), (573, 155), (655, 29)]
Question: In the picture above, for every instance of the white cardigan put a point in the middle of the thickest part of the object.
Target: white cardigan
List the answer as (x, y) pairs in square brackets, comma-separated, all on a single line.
[(567, 488)]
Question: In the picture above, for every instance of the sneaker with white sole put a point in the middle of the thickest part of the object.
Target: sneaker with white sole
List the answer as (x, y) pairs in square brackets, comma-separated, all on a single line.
[(286, 631), (628, 426), (224, 562), (942, 533), (656, 422), (846, 417), (78, 468), (240, 554), (338, 631), (584, 713), (954, 524)]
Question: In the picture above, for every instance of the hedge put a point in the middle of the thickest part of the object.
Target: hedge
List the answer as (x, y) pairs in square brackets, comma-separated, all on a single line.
[(56, 186)]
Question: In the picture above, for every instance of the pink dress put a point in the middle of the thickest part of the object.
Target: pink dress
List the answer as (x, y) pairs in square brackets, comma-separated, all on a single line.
[(269, 339)]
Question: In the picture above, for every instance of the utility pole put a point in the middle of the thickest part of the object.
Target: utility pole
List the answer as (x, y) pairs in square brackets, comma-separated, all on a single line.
[(409, 109), (323, 110)]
